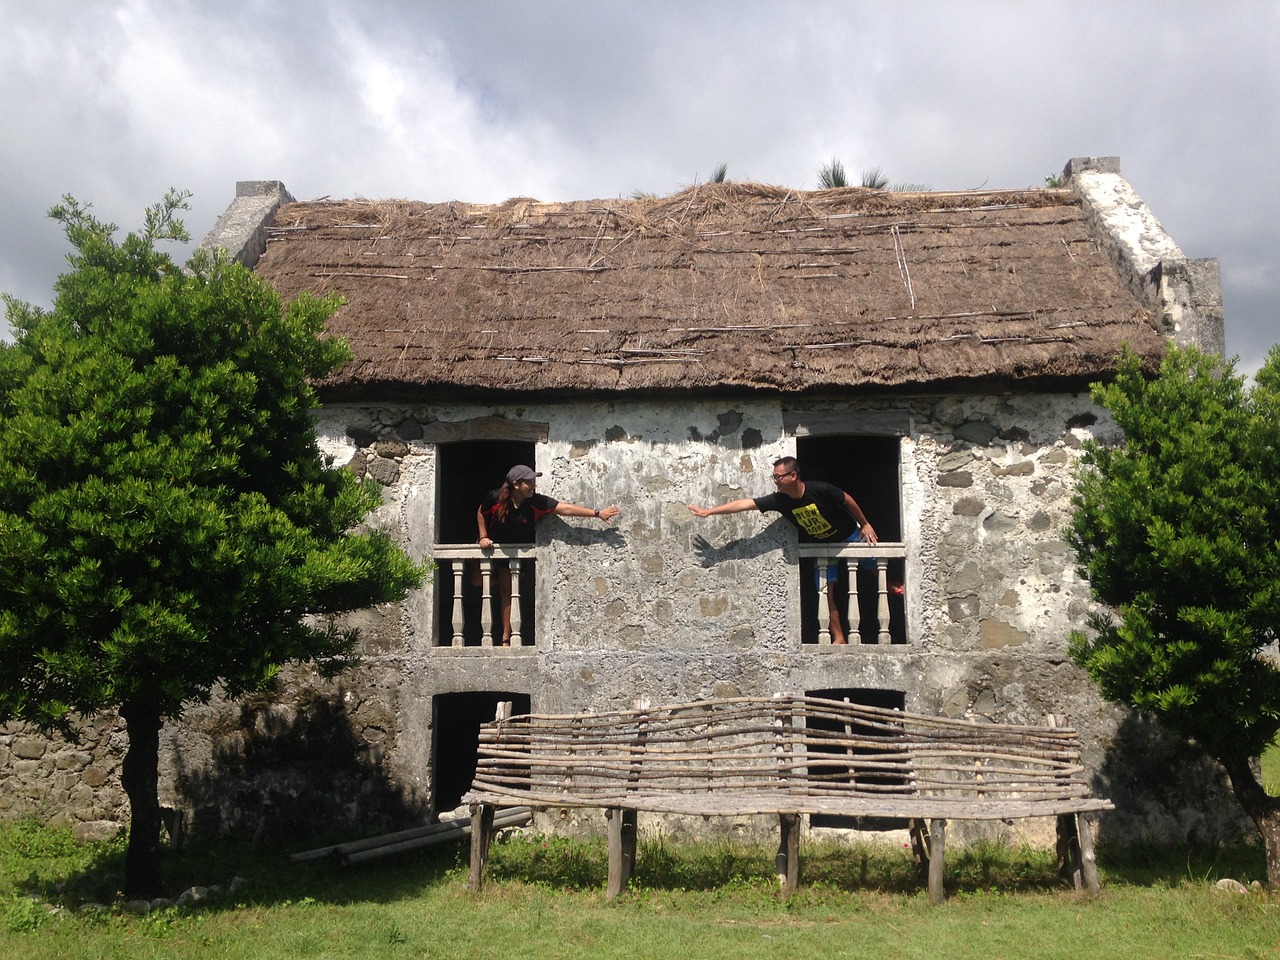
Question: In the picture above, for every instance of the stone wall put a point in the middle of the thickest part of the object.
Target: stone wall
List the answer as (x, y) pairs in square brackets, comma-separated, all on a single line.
[(664, 607), (66, 783)]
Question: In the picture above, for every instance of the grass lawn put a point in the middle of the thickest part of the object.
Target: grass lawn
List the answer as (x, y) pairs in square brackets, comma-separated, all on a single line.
[(544, 900), (1271, 770)]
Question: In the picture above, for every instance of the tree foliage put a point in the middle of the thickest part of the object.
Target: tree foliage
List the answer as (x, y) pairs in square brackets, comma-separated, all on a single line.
[(167, 524), (1177, 528)]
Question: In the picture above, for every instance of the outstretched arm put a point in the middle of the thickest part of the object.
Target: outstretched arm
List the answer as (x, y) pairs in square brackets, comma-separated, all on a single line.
[(867, 531), (577, 510), (733, 506)]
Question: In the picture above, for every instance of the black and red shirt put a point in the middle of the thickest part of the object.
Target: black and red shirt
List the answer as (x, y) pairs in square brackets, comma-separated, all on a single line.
[(518, 526)]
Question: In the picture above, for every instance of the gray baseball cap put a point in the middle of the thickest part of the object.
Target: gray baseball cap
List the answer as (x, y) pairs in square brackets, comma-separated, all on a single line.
[(521, 472)]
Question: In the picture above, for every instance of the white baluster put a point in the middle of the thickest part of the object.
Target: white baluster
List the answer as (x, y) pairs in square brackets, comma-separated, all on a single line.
[(851, 603), (882, 604), (516, 639), (486, 609), (824, 620), (456, 567)]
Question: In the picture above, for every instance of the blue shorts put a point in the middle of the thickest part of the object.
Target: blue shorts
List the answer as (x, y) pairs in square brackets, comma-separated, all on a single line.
[(833, 568)]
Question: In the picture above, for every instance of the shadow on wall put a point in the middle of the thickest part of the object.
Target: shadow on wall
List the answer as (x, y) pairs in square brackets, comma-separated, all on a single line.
[(290, 770), (1166, 790)]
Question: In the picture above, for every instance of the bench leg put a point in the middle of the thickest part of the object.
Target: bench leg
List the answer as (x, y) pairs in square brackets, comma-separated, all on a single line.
[(622, 849), (1088, 860), (481, 833), (788, 859), (937, 854)]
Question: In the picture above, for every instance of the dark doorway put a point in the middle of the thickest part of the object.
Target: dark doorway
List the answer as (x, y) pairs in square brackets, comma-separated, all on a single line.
[(457, 719), (465, 472), (868, 469), (887, 699)]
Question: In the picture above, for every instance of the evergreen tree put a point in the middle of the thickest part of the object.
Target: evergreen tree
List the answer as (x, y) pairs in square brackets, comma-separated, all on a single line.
[(1177, 528), (167, 524)]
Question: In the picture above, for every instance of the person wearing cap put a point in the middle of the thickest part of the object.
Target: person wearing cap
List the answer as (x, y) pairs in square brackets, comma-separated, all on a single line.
[(822, 512), (509, 515)]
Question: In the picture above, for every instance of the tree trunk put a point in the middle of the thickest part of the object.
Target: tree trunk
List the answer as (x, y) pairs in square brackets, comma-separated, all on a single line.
[(1263, 809), (140, 778)]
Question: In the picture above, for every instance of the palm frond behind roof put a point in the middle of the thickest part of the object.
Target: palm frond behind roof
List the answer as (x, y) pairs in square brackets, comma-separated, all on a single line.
[(721, 287)]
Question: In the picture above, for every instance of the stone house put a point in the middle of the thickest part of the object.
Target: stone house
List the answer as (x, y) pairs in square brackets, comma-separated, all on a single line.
[(928, 352)]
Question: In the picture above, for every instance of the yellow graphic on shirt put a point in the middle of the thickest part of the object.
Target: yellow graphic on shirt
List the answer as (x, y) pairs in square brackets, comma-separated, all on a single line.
[(812, 521)]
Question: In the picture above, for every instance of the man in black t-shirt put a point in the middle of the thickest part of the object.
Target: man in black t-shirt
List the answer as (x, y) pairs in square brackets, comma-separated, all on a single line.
[(823, 513)]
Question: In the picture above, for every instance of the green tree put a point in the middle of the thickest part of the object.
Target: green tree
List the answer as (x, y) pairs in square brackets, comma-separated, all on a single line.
[(167, 524), (1177, 528)]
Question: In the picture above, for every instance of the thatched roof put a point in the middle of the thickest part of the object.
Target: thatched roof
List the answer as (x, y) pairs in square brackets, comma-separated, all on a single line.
[(719, 287)]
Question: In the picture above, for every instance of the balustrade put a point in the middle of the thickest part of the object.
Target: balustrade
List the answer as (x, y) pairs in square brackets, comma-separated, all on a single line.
[(458, 619), (854, 556), (455, 568)]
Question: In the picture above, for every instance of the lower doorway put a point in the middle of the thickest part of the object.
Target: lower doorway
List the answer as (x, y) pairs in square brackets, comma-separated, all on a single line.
[(456, 740)]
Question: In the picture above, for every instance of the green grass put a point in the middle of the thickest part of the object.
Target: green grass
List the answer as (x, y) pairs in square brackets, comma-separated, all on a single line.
[(1271, 770), (687, 901)]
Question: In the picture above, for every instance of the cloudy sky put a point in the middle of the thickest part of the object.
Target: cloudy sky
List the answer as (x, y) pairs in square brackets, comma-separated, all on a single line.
[(114, 101)]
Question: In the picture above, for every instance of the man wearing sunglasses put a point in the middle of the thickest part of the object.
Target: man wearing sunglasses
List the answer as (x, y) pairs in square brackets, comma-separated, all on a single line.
[(822, 512)]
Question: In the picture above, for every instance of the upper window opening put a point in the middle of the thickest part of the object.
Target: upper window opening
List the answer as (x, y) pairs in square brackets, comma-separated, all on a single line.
[(868, 469)]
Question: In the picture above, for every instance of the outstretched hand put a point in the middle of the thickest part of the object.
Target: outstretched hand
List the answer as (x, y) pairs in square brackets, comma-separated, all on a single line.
[(608, 513), (699, 511)]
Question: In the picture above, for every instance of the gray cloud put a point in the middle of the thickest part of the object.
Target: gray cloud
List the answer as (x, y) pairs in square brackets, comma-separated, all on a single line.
[(116, 101)]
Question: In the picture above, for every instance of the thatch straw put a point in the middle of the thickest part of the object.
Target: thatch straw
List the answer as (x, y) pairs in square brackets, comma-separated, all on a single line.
[(733, 286)]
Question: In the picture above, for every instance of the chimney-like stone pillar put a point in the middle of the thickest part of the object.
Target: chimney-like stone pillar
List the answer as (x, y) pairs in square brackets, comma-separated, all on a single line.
[(1184, 296), (242, 228)]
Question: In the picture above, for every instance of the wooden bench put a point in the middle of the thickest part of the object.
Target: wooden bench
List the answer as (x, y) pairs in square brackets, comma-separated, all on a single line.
[(785, 756)]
